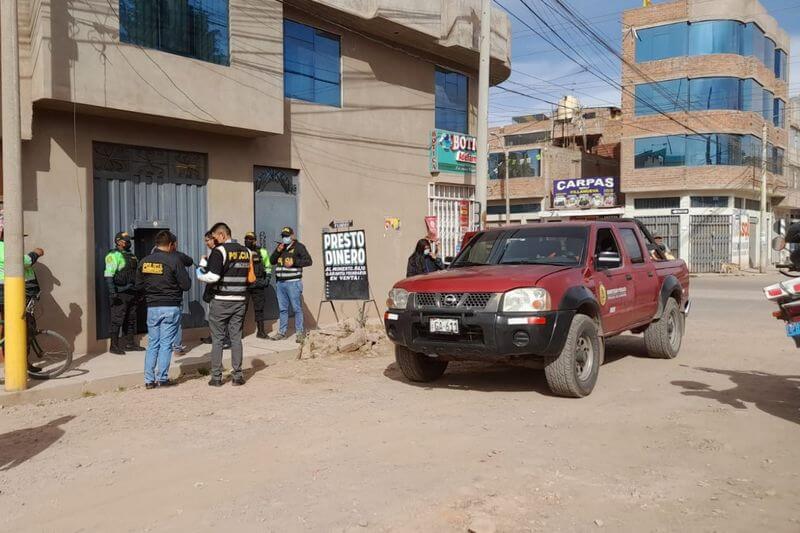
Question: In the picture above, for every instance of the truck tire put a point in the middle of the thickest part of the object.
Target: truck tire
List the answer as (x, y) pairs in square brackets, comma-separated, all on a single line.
[(663, 338), (418, 367), (574, 372)]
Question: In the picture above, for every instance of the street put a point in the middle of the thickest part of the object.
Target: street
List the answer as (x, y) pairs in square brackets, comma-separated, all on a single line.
[(705, 442)]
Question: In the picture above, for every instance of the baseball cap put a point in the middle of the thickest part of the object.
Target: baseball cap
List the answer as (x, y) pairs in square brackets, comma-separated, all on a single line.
[(286, 231), (122, 235), (250, 235)]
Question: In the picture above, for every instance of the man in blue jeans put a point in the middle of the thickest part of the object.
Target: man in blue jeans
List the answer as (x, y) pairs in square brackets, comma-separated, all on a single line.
[(289, 259), (162, 279)]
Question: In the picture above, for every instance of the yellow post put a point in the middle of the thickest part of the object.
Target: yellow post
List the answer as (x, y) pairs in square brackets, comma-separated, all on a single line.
[(16, 345), (645, 3)]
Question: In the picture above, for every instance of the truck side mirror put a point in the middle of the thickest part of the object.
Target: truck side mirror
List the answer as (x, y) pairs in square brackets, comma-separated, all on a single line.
[(778, 243), (449, 259), (608, 260)]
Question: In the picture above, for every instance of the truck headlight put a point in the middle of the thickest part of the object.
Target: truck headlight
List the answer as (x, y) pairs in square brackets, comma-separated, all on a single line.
[(526, 300), (398, 299)]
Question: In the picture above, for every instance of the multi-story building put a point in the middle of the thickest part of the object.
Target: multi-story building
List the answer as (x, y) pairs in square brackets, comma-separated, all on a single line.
[(541, 149), (702, 81), (141, 115), (792, 170)]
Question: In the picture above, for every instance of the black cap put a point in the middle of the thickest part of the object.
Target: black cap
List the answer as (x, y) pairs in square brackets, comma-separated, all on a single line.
[(122, 236), (250, 235), (286, 231)]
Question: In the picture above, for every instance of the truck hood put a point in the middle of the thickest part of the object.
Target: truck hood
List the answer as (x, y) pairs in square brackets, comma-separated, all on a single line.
[(489, 278)]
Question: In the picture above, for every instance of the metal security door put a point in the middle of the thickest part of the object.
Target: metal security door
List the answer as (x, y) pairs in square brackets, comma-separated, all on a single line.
[(139, 187), (444, 202), (710, 239), (275, 207), (669, 227)]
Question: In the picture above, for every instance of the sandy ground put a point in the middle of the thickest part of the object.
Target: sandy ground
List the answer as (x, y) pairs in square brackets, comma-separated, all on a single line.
[(706, 442)]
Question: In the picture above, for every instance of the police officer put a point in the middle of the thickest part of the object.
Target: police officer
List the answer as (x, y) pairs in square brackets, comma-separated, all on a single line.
[(120, 276), (257, 291)]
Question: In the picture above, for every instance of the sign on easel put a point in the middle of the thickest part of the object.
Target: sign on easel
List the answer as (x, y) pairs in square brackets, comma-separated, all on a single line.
[(345, 263)]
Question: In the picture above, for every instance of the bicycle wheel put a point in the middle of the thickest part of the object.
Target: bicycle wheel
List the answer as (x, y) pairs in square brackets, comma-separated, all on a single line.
[(49, 352)]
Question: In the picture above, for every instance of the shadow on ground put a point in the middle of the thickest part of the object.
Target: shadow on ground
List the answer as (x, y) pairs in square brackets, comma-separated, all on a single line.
[(774, 394), (20, 445)]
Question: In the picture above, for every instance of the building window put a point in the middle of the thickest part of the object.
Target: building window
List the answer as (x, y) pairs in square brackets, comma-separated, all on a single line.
[(497, 165), (515, 209), (192, 28), (452, 101), (780, 65), (666, 151), (669, 96), (752, 96), (769, 53), (524, 163), (590, 115), (714, 93), (714, 37), (522, 139), (779, 113), (752, 205), (661, 42), (311, 64), (768, 105), (709, 201), (671, 202)]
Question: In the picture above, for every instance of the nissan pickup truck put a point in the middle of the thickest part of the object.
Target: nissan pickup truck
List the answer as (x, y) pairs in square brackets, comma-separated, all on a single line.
[(546, 295)]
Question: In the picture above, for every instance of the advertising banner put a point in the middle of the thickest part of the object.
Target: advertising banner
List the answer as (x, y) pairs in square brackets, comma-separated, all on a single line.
[(432, 224), (345, 263), (452, 152), (585, 193)]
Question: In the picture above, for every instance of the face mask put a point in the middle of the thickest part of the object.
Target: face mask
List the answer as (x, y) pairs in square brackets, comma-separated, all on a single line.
[(250, 244), (287, 241), (126, 245), (427, 252)]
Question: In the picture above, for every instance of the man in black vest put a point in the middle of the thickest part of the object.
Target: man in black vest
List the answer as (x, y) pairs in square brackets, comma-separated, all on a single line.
[(226, 271)]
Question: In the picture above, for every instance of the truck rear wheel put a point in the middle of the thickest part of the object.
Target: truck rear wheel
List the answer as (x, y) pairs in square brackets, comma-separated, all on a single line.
[(663, 338), (418, 367), (574, 372)]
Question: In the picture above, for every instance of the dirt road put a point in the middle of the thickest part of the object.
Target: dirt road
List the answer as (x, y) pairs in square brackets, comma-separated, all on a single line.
[(706, 442)]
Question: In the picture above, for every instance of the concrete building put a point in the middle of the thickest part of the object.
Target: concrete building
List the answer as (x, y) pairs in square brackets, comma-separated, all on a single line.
[(541, 149), (701, 79), (258, 113), (791, 209)]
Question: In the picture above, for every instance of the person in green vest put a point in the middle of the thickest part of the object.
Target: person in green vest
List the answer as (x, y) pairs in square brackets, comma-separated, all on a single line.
[(257, 291), (29, 259), (120, 276)]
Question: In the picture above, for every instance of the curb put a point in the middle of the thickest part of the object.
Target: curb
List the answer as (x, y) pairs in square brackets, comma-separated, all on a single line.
[(77, 389)]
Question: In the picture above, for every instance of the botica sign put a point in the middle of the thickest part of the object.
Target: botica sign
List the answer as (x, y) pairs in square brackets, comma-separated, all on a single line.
[(452, 152)]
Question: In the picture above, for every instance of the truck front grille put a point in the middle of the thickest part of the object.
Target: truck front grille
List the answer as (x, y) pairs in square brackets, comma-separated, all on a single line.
[(453, 300)]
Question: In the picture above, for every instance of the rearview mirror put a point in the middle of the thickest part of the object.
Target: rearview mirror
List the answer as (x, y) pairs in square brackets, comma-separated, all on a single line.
[(778, 243), (449, 259), (607, 260)]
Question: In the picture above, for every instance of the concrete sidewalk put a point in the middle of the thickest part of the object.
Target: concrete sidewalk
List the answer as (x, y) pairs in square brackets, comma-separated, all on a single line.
[(94, 374)]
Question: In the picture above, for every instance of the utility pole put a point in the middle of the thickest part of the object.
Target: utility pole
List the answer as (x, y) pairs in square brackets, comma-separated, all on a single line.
[(762, 223), (505, 185), (14, 315), (482, 166)]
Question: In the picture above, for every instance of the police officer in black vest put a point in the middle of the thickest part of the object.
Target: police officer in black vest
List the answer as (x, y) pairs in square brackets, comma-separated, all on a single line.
[(120, 274), (226, 271)]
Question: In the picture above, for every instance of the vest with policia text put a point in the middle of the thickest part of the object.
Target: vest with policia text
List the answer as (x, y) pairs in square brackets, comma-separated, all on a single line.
[(232, 285)]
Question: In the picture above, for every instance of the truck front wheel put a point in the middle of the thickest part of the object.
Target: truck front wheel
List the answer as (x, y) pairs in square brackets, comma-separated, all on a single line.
[(574, 372), (663, 338), (418, 367)]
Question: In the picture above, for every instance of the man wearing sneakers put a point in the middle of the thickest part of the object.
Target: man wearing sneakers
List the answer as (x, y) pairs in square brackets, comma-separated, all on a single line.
[(226, 271), (289, 259)]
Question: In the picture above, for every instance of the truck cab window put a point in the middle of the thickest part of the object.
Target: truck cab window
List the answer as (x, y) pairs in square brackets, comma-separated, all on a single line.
[(606, 243), (632, 245)]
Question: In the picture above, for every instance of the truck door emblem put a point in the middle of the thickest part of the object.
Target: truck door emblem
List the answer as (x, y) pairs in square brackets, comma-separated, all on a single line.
[(451, 300), (602, 294)]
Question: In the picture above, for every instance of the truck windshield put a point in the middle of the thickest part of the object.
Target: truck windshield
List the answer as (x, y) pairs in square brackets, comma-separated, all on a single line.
[(477, 251), (546, 245)]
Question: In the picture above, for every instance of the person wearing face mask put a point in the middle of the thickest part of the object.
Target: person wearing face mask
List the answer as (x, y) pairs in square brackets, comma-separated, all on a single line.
[(423, 260), (289, 258), (120, 275)]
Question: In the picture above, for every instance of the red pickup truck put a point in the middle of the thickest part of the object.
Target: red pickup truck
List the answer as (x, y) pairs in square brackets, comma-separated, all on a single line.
[(548, 294)]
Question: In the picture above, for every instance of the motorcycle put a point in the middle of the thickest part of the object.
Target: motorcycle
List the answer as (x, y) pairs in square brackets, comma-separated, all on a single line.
[(787, 293)]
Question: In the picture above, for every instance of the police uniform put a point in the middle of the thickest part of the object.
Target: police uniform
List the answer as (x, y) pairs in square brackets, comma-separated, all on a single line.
[(31, 284), (257, 291), (120, 277)]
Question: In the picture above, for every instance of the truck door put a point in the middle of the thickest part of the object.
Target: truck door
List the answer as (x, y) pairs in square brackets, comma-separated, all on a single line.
[(613, 283), (645, 280)]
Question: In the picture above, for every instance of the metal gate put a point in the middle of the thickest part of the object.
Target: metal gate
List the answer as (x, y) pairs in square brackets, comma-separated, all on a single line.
[(137, 187), (668, 227), (710, 239), (445, 203), (755, 237)]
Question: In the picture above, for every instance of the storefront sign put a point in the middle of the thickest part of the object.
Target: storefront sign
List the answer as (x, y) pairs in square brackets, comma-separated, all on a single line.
[(585, 193), (432, 224), (463, 214), (453, 152), (679, 212), (345, 262)]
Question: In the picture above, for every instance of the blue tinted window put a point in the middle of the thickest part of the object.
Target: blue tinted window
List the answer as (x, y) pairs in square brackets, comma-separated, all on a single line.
[(769, 53), (662, 42), (523, 163), (780, 65), (714, 149), (753, 41), (497, 170), (715, 37), (767, 104), (779, 113), (666, 151), (311, 64), (451, 101), (709, 201), (777, 161), (192, 28), (668, 96), (752, 96), (714, 93)]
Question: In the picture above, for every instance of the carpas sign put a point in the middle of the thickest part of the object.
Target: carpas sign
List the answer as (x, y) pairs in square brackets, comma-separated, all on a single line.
[(453, 152), (344, 257), (585, 193)]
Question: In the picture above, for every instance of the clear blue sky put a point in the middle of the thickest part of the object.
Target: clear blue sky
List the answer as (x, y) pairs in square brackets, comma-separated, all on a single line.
[(533, 59)]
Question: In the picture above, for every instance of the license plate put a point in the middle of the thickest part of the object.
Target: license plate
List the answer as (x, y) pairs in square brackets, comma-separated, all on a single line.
[(448, 326), (793, 329)]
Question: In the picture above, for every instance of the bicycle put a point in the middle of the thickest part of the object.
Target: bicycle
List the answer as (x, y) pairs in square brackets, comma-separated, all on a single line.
[(44, 346)]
